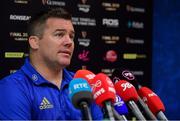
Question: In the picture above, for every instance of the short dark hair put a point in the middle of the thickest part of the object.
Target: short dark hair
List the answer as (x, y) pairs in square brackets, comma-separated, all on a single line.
[(37, 23)]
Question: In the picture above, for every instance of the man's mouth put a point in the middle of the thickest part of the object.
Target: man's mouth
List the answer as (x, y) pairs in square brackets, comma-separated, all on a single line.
[(65, 52)]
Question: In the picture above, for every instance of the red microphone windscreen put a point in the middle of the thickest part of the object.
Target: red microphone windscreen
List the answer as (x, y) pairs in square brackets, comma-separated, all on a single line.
[(103, 89), (85, 74), (151, 99), (126, 91)]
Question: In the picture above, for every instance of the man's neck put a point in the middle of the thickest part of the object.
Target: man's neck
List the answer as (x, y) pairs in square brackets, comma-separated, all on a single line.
[(53, 75)]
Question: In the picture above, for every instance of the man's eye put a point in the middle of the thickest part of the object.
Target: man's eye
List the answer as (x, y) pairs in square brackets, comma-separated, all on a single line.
[(59, 34), (72, 37)]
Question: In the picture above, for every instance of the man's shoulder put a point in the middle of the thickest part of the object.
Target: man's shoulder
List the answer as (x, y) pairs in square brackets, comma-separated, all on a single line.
[(16, 83), (15, 77)]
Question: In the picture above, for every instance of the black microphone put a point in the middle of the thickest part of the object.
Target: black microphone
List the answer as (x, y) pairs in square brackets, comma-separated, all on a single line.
[(125, 74), (81, 96)]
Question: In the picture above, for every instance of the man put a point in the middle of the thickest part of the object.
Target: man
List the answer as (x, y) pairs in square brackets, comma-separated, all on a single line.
[(39, 90)]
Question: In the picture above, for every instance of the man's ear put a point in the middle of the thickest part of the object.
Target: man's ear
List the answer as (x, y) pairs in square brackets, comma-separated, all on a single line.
[(34, 42)]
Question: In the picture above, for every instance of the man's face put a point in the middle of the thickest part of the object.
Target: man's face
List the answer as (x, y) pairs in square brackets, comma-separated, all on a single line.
[(56, 45)]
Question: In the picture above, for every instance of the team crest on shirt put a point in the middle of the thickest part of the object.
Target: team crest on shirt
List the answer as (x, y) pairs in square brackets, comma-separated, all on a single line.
[(45, 104)]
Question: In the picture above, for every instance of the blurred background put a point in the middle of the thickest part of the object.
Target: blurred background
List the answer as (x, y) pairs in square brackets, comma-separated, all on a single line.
[(140, 35)]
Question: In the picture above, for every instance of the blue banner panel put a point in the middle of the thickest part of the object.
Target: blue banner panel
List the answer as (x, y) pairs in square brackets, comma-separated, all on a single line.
[(166, 55)]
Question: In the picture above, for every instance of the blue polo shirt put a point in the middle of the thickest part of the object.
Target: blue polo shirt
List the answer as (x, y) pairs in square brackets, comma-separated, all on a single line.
[(26, 95)]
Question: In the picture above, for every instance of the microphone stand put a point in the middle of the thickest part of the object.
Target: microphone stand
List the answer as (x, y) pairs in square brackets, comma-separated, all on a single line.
[(135, 110), (108, 109), (85, 111), (161, 116), (119, 117)]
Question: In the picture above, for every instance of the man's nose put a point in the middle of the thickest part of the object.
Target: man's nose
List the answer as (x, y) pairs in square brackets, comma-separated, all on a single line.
[(68, 40)]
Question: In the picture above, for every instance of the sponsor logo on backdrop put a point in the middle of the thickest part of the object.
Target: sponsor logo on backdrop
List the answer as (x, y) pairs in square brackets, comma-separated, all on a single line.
[(84, 34), (111, 56), (84, 1), (138, 73), (19, 36), (133, 56), (134, 41), (84, 21), (83, 6), (84, 41), (109, 22), (107, 71), (53, 3), (22, 1), (109, 6), (83, 67), (84, 55), (15, 54), (110, 39), (19, 17), (135, 25), (12, 71), (130, 8)]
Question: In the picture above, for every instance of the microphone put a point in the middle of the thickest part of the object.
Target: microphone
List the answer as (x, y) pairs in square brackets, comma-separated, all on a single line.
[(125, 74), (153, 101), (104, 93), (120, 108), (85, 74), (89, 76), (81, 96), (128, 93)]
